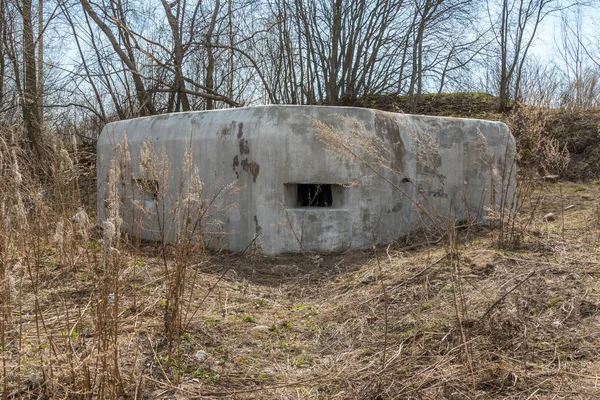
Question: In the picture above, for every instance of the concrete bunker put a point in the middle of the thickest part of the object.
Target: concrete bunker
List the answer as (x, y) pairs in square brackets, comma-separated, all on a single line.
[(311, 178)]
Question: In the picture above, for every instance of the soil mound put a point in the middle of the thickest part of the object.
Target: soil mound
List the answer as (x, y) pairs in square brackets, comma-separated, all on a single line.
[(467, 104), (577, 129)]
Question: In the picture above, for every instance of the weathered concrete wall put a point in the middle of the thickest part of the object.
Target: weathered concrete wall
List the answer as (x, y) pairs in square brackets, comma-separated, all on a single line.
[(437, 169)]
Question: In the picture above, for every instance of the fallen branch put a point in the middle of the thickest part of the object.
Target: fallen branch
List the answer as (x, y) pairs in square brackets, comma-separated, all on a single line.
[(506, 294), (420, 273)]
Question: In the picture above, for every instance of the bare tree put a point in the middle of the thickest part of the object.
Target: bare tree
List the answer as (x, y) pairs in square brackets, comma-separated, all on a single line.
[(430, 18), (143, 57), (30, 105), (126, 55), (327, 52), (515, 24), (578, 65)]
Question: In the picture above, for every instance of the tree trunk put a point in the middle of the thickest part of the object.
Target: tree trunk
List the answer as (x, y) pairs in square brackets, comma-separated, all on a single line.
[(178, 53), (145, 102), (210, 67), (336, 31), (30, 102), (2, 52), (40, 60), (504, 81)]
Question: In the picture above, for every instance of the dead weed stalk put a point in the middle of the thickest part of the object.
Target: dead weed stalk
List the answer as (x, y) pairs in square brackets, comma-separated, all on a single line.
[(352, 141), (540, 159)]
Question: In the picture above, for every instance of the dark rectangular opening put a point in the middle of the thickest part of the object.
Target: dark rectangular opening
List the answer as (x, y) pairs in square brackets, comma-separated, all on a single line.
[(148, 188), (314, 195)]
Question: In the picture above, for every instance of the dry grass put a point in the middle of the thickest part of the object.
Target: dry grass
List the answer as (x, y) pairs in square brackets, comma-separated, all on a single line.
[(300, 327), (88, 313)]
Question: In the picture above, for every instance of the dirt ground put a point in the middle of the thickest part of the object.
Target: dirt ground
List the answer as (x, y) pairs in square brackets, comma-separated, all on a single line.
[(403, 322)]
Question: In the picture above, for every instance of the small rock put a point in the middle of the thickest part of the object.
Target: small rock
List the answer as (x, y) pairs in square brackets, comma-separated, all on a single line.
[(81, 217), (551, 178), (549, 217), (317, 259), (201, 355), (567, 208), (261, 329), (488, 269), (588, 309), (572, 277), (556, 324)]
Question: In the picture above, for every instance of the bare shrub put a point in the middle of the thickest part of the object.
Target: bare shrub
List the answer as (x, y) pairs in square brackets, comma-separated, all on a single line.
[(538, 155), (581, 92), (75, 346), (537, 151), (182, 218), (354, 142), (42, 229)]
